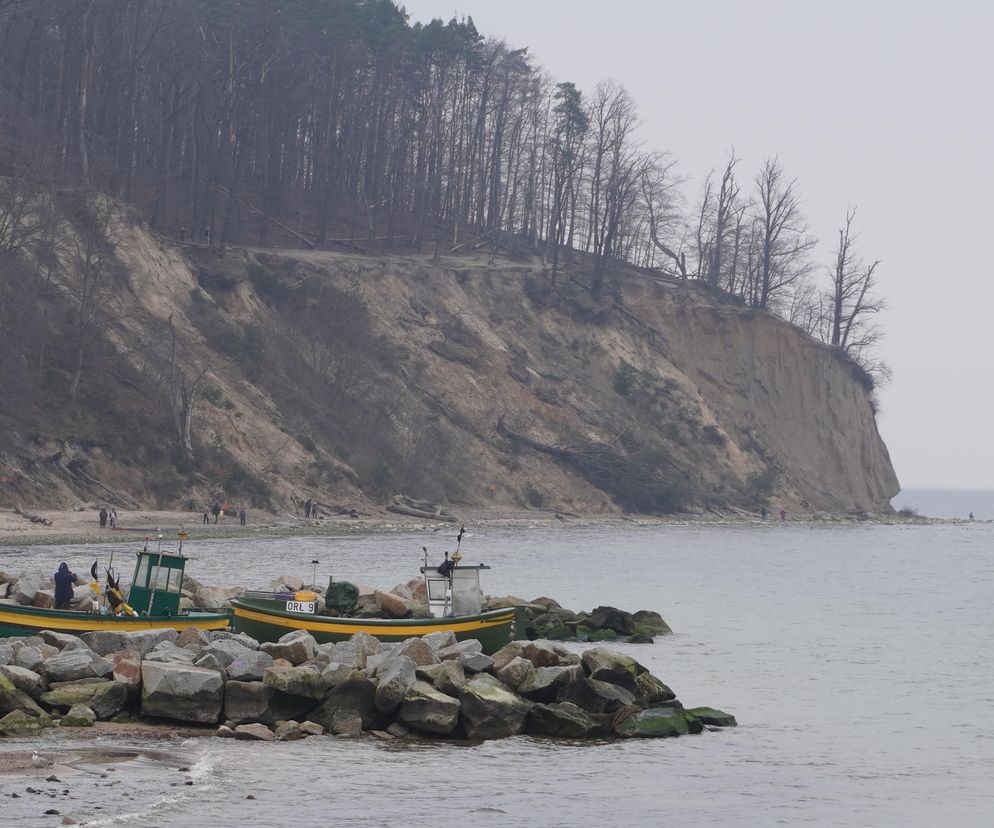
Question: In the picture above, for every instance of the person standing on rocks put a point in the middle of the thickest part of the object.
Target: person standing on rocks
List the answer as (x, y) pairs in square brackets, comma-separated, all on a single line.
[(103, 518), (64, 582)]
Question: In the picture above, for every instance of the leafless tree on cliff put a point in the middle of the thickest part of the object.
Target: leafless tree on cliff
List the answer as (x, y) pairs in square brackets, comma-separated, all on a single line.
[(784, 242), (662, 202), (852, 302), (183, 387)]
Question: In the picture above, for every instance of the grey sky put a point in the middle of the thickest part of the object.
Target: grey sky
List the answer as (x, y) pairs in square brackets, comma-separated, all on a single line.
[(882, 105)]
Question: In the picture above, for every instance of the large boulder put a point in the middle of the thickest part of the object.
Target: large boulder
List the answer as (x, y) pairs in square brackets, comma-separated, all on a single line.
[(296, 681), (79, 715), (650, 691), (70, 665), (711, 717), (349, 653), (357, 692), (650, 623), (182, 692), (612, 618), (127, 668), (250, 665), (393, 606), (30, 658), (448, 677), (563, 720), (439, 640), (489, 710), (613, 667), (105, 642), (215, 597), (165, 652), (57, 639), (44, 599), (23, 679), (429, 710), (296, 647), (418, 650), (195, 639), (104, 698), (7, 654), (596, 696), (453, 651), (17, 722), (367, 643), (514, 672), (346, 722), (475, 662), (543, 653), (241, 638), (653, 723), (257, 732), (544, 683), (227, 650), (248, 701), (506, 654), (395, 677), (28, 584)]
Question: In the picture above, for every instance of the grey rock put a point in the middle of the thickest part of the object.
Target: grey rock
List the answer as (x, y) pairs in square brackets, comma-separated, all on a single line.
[(28, 583), (57, 639), (428, 710), (491, 711), (296, 647), (396, 676), (357, 692), (564, 721), (105, 698), (181, 692), (70, 665), (23, 679), (209, 662), (345, 652), (311, 728), (448, 677), (165, 652), (418, 651), (225, 732), (649, 690), (251, 665), (255, 731), (195, 639), (253, 701), (544, 683), (346, 722), (514, 672), (226, 651), (653, 723), (440, 640), (335, 674), (296, 681), (612, 618), (711, 717), (105, 642), (367, 643), (650, 623), (6, 654), (596, 696), (289, 731), (127, 668), (30, 658), (543, 653), (611, 666), (79, 715), (453, 651), (240, 638), (475, 662)]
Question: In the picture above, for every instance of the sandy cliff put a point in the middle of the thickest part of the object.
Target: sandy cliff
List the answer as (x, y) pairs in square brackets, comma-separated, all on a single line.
[(481, 383)]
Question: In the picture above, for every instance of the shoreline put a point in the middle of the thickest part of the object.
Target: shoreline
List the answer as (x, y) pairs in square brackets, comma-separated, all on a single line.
[(70, 527)]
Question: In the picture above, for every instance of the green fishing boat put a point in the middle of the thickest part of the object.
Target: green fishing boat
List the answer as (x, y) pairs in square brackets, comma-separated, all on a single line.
[(454, 604), (152, 603)]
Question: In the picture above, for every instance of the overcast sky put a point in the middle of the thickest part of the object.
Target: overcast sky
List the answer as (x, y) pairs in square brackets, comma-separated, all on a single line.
[(883, 105)]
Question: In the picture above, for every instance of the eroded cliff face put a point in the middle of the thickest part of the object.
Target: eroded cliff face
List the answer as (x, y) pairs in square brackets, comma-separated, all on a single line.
[(481, 383)]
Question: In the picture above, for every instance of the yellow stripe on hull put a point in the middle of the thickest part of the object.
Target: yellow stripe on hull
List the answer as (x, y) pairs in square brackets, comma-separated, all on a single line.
[(92, 623), (351, 628)]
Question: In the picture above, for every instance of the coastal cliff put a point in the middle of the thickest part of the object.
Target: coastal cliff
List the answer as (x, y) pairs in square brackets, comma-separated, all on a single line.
[(348, 378)]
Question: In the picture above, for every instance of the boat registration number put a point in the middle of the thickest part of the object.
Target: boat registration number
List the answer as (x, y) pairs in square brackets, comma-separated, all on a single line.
[(300, 606)]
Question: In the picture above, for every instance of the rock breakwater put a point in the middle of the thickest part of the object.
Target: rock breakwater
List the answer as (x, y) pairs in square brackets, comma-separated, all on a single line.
[(425, 687)]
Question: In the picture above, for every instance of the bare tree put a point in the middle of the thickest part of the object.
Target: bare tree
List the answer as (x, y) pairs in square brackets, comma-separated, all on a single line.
[(661, 200), (722, 220), (853, 301), (784, 243)]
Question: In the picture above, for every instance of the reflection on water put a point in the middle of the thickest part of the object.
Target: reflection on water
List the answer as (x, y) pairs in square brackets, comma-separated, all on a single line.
[(856, 660)]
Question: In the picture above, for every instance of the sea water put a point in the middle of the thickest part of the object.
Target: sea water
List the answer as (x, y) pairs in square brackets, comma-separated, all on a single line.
[(857, 660)]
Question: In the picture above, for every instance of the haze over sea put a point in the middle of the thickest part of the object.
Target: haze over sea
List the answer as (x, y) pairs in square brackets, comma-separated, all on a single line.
[(856, 659)]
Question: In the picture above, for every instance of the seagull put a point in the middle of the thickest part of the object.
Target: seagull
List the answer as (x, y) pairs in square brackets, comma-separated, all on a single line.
[(39, 761)]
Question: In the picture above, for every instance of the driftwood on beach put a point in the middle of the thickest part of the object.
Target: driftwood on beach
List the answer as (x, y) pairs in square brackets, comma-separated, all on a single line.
[(404, 505), (32, 516)]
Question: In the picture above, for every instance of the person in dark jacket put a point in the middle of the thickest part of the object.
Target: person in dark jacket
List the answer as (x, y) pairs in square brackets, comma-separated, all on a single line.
[(64, 581), (103, 518), (216, 510)]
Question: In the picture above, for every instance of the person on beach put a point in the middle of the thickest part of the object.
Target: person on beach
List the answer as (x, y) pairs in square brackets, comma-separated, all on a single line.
[(307, 508), (64, 582), (112, 519), (103, 518), (207, 516), (783, 515), (763, 512), (241, 516), (216, 510)]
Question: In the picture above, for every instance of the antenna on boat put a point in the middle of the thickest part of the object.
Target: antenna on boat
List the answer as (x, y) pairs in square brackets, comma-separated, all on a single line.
[(456, 557), (314, 573), (182, 537)]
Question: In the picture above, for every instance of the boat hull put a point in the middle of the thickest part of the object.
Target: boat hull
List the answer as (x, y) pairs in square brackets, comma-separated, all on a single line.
[(266, 621), (22, 621)]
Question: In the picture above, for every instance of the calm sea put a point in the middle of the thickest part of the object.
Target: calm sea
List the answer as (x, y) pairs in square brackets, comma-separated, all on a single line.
[(856, 658), (948, 503)]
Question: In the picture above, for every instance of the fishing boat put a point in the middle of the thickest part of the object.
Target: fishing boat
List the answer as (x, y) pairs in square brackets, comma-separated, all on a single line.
[(152, 603), (454, 603)]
